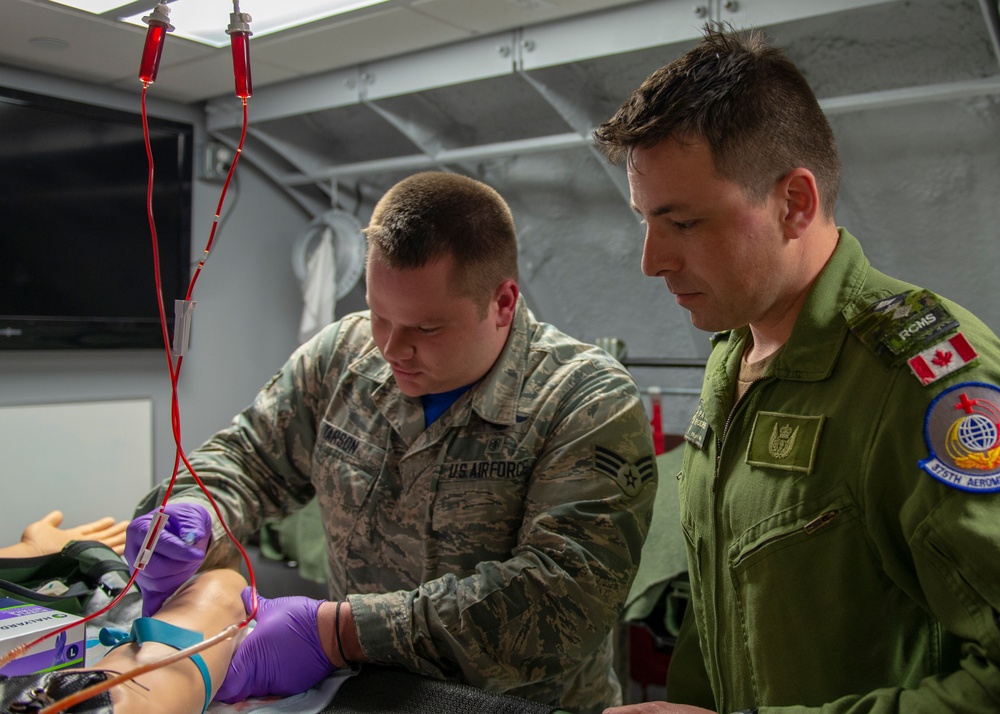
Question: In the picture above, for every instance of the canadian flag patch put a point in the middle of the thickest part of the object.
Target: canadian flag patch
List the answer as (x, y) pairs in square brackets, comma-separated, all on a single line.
[(942, 359)]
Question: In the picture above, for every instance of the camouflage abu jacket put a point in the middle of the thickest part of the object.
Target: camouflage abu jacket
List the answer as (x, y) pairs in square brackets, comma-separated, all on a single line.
[(494, 548)]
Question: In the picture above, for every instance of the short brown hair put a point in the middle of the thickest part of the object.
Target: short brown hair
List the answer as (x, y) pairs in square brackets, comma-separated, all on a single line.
[(432, 214), (746, 100)]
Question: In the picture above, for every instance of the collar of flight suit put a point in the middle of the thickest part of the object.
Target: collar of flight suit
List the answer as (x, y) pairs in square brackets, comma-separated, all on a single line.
[(817, 338)]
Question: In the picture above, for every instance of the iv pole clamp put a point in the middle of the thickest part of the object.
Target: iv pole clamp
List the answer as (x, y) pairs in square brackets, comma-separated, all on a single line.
[(239, 37), (159, 25)]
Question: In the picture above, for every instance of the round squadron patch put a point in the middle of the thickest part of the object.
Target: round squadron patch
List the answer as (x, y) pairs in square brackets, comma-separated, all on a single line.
[(962, 430)]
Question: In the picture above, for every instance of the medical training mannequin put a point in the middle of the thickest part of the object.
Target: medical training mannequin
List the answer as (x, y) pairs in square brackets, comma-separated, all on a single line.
[(45, 536), (206, 606), (485, 481)]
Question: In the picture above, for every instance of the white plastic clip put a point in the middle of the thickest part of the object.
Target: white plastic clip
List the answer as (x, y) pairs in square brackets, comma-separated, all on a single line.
[(183, 312), (152, 536)]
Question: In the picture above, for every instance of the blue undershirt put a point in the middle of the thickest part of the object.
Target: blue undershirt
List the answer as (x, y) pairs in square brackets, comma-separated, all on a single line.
[(437, 404)]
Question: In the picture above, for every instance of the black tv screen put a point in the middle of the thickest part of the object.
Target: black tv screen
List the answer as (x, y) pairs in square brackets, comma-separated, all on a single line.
[(76, 255)]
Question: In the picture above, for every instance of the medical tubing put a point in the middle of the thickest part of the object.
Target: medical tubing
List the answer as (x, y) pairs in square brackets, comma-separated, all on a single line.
[(225, 526), (152, 229), (175, 369), (95, 689), (152, 50), (179, 455), (222, 198)]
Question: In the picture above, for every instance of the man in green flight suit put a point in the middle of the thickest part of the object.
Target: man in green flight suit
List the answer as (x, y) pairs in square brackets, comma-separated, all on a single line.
[(485, 481), (840, 489)]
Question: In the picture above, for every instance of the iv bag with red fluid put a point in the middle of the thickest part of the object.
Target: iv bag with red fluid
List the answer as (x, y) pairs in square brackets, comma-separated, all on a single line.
[(239, 38), (159, 25)]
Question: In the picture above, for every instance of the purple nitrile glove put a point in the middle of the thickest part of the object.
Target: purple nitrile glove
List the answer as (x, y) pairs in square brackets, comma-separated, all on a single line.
[(282, 655), (176, 556)]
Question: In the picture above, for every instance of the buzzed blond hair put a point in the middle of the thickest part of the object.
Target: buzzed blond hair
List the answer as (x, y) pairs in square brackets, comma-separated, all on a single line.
[(432, 214)]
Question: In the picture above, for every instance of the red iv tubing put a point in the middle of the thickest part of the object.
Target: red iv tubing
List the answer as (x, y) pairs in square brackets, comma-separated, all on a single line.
[(159, 26)]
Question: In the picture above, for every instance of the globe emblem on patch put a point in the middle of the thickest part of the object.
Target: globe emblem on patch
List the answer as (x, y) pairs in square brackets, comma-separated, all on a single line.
[(971, 441), (977, 433)]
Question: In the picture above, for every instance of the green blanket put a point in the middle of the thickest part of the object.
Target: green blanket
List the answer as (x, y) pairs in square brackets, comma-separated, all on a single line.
[(663, 567), (298, 537)]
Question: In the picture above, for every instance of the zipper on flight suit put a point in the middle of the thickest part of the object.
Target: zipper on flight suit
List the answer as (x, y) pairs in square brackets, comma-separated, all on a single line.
[(725, 429), (816, 523), (719, 439), (811, 527)]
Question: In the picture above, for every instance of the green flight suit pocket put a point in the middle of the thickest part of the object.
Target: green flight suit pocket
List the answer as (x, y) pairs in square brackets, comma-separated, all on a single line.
[(808, 590)]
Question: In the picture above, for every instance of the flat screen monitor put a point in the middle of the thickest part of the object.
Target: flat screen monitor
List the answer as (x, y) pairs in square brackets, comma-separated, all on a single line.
[(76, 252)]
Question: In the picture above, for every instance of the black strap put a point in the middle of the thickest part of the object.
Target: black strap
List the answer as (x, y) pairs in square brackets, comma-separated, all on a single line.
[(98, 563), (19, 592), (390, 689), (82, 567)]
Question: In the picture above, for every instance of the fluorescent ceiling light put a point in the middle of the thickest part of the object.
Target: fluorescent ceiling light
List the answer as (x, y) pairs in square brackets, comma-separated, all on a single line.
[(206, 20)]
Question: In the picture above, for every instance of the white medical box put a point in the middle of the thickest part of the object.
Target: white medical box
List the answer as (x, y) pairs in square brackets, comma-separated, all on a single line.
[(21, 623)]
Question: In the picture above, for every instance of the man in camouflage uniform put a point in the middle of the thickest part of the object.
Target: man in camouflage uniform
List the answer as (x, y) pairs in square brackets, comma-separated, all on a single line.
[(486, 482), (840, 489)]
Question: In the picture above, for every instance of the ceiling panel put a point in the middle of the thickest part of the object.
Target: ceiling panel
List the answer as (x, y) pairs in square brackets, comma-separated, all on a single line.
[(490, 111), (483, 16), (392, 32), (907, 43), (78, 46), (337, 136), (106, 52)]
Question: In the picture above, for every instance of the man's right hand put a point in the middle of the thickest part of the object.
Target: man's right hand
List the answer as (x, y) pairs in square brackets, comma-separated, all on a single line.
[(282, 655), (177, 555)]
